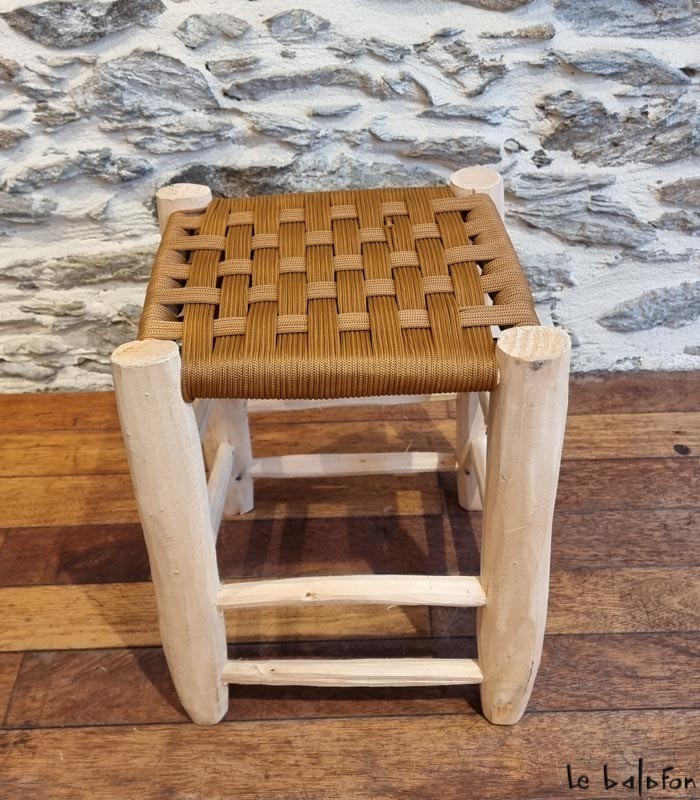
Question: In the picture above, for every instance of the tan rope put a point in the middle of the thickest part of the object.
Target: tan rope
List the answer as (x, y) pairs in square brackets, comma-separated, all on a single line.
[(336, 294)]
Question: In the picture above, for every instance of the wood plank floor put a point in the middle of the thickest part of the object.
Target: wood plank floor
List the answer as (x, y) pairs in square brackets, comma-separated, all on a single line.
[(86, 702)]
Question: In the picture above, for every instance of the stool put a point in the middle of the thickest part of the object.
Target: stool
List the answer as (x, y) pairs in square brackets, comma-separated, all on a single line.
[(349, 296)]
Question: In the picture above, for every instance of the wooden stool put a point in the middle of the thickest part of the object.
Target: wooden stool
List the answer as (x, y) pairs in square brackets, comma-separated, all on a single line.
[(367, 296)]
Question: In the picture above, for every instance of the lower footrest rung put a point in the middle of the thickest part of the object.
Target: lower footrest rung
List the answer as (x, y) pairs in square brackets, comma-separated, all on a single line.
[(355, 672)]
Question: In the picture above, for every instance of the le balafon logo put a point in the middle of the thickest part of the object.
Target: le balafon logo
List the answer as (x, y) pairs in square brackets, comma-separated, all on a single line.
[(667, 778)]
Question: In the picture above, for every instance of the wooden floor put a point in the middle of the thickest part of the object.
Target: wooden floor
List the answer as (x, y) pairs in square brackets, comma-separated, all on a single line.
[(87, 706)]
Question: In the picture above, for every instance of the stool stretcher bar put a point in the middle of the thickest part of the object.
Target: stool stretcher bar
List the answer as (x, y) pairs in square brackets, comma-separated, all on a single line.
[(355, 672), (386, 400), (402, 590), (322, 465)]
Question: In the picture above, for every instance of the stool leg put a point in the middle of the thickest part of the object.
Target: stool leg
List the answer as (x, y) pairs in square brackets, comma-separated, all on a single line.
[(470, 420), (167, 470), (527, 416), (470, 426), (228, 422)]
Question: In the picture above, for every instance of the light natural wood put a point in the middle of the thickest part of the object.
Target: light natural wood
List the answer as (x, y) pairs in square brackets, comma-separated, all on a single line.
[(220, 477), (180, 197), (527, 417), (228, 422), (355, 672), (202, 409), (479, 180), (472, 408), (167, 468), (416, 590), (322, 465), (257, 406), (471, 427), (477, 461)]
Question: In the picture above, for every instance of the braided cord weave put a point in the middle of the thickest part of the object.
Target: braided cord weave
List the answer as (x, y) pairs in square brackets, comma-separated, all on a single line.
[(336, 294)]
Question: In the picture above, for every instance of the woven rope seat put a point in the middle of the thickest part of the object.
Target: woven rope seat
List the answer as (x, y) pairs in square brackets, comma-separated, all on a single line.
[(336, 294)]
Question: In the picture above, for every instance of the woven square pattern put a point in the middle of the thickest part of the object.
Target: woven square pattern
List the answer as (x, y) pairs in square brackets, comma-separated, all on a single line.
[(336, 294)]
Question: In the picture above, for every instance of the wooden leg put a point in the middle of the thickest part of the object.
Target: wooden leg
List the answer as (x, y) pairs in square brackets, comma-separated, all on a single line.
[(228, 422), (479, 180), (470, 428), (527, 416), (180, 197), (167, 470)]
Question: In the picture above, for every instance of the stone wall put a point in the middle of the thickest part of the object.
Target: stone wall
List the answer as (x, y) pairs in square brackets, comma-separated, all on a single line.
[(588, 108)]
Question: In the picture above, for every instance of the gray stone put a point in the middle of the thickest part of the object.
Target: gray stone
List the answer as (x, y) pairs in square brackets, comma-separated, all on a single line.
[(54, 116), (36, 82), (596, 221), (118, 265), (226, 68), (297, 25), (102, 337), (692, 350), (645, 18), (260, 87), (306, 174), (100, 366), (28, 370), (69, 60), (635, 67), (538, 185), (493, 115), (198, 29), (98, 163), (670, 307), (54, 308), (460, 65), (656, 257), (547, 273), (381, 48), (143, 84), (10, 137), (408, 87), (34, 346), (684, 192), (543, 31), (454, 151), (513, 146), (541, 159), (668, 132), (78, 22), (496, 5), (23, 211), (680, 221), (334, 110), (183, 133), (9, 70), (287, 128)]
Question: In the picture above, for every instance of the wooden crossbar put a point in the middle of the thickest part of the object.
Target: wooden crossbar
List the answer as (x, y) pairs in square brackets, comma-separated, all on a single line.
[(433, 590), (355, 672), (321, 465), (388, 400)]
